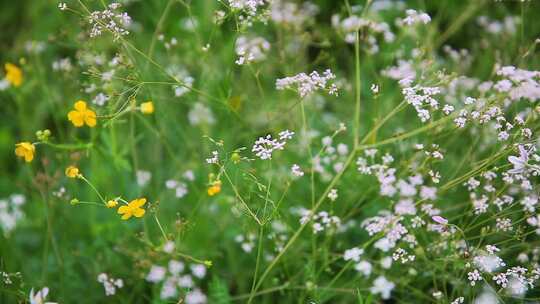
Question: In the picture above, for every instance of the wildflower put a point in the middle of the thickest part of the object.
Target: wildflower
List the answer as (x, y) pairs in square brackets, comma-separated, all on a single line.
[(39, 297), (156, 274), (82, 115), (297, 171), (439, 219), (111, 203), (308, 84), (364, 267), (414, 17), (72, 172), (214, 188), (133, 209), (11, 212), (333, 195), (25, 150), (110, 20), (143, 177), (251, 50), (383, 286), (110, 284), (264, 146), (147, 107), (353, 254), (519, 162), (168, 247), (13, 74)]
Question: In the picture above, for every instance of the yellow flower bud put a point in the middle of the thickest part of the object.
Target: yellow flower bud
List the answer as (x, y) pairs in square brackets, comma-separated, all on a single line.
[(72, 172), (147, 107), (111, 203)]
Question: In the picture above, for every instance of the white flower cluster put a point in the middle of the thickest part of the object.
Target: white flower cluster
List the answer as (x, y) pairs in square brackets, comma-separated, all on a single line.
[(265, 146), (382, 286), (247, 243), (414, 17), (495, 27), (518, 83), (321, 221), (62, 65), (7, 278), (176, 276), (352, 24), (143, 177), (331, 160), (251, 49), (110, 284), (180, 187), (291, 13), (181, 75), (307, 84), (421, 97), (297, 171), (250, 10), (11, 212), (110, 19)]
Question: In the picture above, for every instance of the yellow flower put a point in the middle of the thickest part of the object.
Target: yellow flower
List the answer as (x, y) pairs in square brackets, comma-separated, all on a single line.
[(72, 172), (147, 107), (25, 150), (13, 74), (82, 115), (133, 209), (215, 188), (112, 203)]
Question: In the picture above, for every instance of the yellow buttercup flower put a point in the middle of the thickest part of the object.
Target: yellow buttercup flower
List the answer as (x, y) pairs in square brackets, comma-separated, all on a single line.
[(133, 209), (112, 203), (25, 150), (215, 188), (14, 74), (147, 107), (82, 115), (72, 172)]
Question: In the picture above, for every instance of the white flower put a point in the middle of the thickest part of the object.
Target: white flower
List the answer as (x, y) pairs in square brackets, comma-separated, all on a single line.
[(195, 297), (198, 270), (519, 162), (364, 267), (297, 171), (307, 84), (382, 286), (143, 177), (156, 274), (40, 296), (353, 254), (168, 247), (333, 195)]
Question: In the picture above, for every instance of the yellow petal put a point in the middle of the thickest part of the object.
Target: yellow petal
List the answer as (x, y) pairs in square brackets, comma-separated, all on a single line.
[(28, 156), (126, 216), (80, 106), (138, 203), (76, 118), (139, 212), (19, 151), (123, 209), (90, 120)]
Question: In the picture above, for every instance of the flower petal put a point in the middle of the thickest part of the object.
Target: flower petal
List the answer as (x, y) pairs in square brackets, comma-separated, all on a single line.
[(123, 209), (80, 106), (139, 212)]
